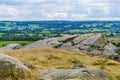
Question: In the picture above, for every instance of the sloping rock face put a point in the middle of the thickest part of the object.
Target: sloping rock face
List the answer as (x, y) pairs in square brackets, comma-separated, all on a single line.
[(12, 69), (111, 51), (11, 46), (68, 74), (51, 42), (93, 44)]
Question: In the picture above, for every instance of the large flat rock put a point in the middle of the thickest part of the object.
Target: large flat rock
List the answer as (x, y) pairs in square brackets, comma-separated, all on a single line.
[(51, 42), (67, 74)]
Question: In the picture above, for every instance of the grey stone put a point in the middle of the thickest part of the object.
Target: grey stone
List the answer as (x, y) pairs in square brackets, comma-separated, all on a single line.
[(79, 39), (67, 38), (66, 74), (97, 40), (51, 42), (110, 51), (81, 47), (11, 46), (66, 45), (110, 46), (54, 43), (96, 52)]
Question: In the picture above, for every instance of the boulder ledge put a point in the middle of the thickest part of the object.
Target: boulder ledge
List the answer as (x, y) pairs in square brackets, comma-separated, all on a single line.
[(92, 44), (12, 69), (68, 74)]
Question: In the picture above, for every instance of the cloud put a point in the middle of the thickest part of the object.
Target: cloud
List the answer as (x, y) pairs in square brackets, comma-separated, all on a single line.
[(59, 9)]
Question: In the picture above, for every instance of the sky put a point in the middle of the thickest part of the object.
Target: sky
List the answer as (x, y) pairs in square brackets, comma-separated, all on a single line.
[(34, 10)]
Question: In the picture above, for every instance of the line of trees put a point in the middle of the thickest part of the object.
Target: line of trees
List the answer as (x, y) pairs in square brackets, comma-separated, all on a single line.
[(24, 37)]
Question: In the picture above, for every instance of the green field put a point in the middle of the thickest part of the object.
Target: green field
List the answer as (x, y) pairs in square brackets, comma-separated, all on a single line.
[(3, 43)]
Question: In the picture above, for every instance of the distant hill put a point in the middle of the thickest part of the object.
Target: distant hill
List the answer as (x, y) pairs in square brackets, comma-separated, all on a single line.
[(36, 30), (54, 28)]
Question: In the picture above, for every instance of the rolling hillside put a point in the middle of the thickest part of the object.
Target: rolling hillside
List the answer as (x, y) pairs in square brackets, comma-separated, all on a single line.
[(47, 58)]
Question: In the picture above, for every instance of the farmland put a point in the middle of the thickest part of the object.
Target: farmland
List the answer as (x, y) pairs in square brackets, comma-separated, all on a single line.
[(36, 30)]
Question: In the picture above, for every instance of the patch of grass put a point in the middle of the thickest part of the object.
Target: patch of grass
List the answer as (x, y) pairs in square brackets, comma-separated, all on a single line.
[(118, 77), (75, 61), (62, 67), (103, 63), (52, 57), (100, 62)]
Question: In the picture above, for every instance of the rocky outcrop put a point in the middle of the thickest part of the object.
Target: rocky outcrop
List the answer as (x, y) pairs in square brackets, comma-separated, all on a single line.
[(12, 69), (51, 42), (111, 51), (68, 74), (11, 46), (93, 44)]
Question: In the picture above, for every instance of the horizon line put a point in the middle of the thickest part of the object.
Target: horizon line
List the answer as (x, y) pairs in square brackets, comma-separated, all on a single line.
[(50, 20)]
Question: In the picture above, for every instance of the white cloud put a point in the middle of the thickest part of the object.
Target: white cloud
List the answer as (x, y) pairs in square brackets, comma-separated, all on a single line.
[(13, 12), (59, 9)]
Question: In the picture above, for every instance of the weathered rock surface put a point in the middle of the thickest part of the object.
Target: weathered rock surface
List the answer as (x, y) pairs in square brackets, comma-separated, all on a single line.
[(96, 40), (78, 66), (12, 69), (95, 52), (51, 42), (67, 38), (66, 74), (93, 44), (11, 46), (111, 51)]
